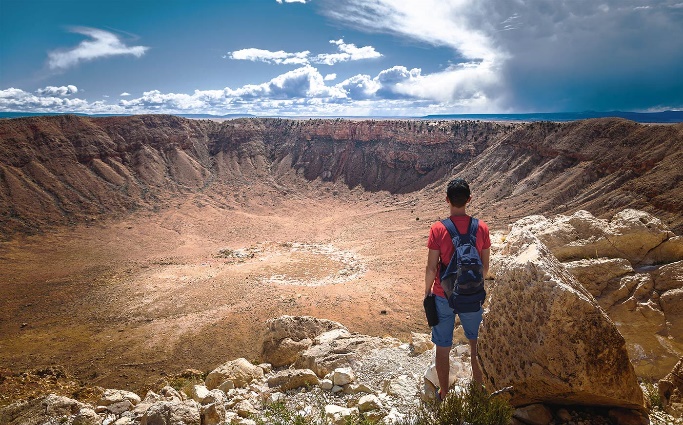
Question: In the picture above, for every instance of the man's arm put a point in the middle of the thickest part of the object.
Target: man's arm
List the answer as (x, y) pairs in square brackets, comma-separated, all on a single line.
[(431, 269), (485, 256)]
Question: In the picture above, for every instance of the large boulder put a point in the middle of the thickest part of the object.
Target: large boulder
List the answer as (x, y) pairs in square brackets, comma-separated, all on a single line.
[(240, 371), (287, 336), (293, 378), (339, 349), (545, 335), (630, 234), (46, 410), (173, 413)]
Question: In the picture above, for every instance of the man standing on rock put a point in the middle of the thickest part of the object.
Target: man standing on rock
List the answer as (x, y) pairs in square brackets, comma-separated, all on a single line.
[(440, 251)]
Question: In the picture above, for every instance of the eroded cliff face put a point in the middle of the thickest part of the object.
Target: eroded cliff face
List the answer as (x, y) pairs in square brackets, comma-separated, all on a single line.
[(67, 169)]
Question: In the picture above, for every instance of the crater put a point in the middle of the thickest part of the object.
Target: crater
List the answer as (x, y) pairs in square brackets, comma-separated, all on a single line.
[(298, 263)]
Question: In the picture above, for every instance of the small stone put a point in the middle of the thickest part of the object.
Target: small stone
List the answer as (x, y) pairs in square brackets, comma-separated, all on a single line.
[(343, 376), (245, 409), (369, 402), (534, 414), (87, 416), (564, 415), (326, 384), (120, 407)]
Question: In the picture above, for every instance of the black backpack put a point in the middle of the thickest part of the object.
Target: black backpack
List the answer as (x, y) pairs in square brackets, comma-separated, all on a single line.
[(463, 279)]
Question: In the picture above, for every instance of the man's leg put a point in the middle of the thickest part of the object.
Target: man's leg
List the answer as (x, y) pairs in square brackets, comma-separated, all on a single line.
[(442, 337), (443, 369), (476, 370), (470, 324)]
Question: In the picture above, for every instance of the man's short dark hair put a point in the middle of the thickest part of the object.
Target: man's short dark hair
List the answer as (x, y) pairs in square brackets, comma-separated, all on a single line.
[(458, 192)]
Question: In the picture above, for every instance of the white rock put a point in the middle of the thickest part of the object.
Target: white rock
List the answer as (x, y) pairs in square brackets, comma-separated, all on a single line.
[(343, 376), (172, 412), (240, 371), (369, 402), (199, 392), (111, 396), (293, 378), (326, 384), (358, 388), (245, 409), (419, 343), (213, 414), (86, 416), (120, 407), (404, 387), (393, 417), (337, 415)]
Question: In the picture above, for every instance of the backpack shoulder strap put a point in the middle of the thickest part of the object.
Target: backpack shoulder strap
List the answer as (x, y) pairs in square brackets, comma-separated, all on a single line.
[(450, 226), (474, 227)]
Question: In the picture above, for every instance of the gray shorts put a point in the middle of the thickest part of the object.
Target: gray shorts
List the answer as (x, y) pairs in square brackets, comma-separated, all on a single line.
[(442, 334)]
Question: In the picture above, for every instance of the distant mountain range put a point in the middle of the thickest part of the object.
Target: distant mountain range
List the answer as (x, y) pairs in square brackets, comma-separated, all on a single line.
[(641, 117)]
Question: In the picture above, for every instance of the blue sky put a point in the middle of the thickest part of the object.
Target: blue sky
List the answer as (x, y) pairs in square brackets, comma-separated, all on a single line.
[(340, 57)]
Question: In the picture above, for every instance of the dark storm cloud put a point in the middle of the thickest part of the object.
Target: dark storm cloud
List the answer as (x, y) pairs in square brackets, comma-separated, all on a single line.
[(541, 55), (583, 55)]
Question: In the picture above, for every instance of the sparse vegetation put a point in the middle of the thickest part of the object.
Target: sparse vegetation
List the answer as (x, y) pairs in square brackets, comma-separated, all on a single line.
[(652, 397), (472, 405), (185, 382)]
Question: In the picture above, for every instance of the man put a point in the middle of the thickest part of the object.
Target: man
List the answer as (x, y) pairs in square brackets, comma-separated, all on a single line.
[(440, 251)]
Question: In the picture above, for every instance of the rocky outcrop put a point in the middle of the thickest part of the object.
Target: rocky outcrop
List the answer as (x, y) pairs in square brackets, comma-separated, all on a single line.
[(630, 234), (41, 410), (644, 299), (545, 335), (288, 336), (381, 384)]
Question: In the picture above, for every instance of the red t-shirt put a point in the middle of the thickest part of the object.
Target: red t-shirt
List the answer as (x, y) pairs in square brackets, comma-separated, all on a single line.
[(440, 240)]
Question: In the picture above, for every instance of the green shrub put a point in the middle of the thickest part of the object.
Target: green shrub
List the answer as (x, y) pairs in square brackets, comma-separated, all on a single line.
[(473, 405), (652, 396), (279, 414)]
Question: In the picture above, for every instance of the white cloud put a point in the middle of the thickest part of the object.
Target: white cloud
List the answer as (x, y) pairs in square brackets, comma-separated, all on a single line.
[(291, 1), (101, 44), (58, 91), (280, 57), (346, 52), (14, 99), (394, 91)]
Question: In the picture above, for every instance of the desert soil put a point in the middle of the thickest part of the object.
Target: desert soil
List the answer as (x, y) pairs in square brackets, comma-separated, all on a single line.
[(122, 302)]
